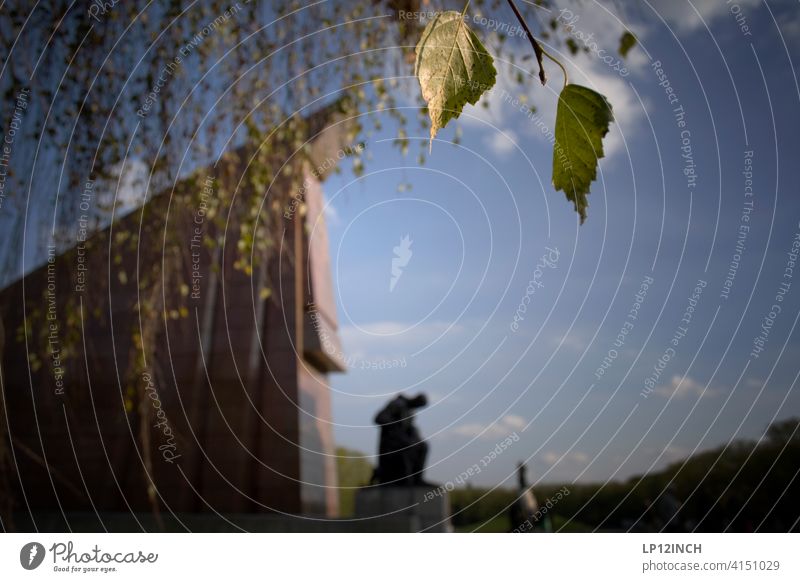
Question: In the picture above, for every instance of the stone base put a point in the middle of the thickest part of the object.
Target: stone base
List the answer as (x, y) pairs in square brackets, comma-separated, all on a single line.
[(422, 510)]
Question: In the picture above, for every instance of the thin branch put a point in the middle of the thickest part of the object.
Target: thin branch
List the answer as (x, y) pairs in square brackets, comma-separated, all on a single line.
[(537, 48), (556, 61)]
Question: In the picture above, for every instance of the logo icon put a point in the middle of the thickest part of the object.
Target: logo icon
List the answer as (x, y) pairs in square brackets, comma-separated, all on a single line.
[(31, 555), (402, 255)]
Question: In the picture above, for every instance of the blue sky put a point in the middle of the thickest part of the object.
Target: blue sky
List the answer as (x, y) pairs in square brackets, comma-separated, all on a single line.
[(482, 214)]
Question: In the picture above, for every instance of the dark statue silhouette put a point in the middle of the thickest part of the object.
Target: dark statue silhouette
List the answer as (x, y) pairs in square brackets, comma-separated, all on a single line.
[(401, 451)]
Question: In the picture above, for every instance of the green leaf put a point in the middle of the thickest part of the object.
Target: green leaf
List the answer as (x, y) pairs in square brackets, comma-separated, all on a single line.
[(453, 68), (582, 120), (573, 46), (626, 42)]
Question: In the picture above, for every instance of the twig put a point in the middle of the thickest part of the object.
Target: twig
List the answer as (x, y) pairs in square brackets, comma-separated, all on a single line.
[(537, 49)]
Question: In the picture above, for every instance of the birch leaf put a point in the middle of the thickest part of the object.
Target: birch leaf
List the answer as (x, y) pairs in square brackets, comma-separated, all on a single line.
[(453, 68), (626, 42), (582, 120)]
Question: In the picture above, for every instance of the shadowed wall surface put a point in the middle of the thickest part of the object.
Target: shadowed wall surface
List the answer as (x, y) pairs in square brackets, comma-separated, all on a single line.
[(237, 400)]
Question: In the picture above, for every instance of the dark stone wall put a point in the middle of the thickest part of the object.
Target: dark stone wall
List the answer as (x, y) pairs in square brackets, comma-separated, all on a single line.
[(247, 405)]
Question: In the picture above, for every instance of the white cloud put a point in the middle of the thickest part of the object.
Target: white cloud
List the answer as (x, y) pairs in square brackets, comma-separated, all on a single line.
[(551, 458), (332, 215), (574, 341), (500, 429), (399, 329), (579, 457), (514, 421), (789, 25), (576, 457), (684, 387), (754, 382), (502, 143), (386, 340), (675, 453), (680, 13), (584, 68)]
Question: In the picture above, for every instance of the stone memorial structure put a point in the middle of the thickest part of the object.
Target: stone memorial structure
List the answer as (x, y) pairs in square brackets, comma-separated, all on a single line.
[(237, 399), (398, 490)]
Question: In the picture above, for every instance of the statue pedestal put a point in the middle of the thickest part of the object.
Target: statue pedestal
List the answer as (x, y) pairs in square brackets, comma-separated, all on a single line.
[(420, 507)]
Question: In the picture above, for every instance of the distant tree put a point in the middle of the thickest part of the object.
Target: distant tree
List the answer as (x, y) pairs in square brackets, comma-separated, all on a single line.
[(785, 431), (354, 470)]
